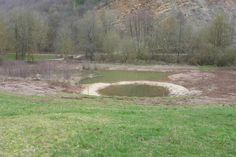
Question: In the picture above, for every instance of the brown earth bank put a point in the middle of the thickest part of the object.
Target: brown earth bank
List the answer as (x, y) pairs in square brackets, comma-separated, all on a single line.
[(217, 86)]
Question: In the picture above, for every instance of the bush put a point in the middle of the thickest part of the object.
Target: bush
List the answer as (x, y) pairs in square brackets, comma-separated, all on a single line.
[(226, 57), (204, 56), (127, 50), (47, 70), (210, 55), (110, 41)]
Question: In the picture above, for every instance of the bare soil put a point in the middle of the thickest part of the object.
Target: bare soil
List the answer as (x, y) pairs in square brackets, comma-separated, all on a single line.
[(38, 88), (216, 86), (28, 87)]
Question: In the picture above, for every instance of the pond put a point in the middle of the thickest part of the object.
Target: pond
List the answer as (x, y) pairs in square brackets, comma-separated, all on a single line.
[(134, 90), (111, 76)]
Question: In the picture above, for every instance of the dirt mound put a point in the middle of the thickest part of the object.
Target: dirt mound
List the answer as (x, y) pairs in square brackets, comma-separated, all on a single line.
[(193, 76), (217, 86), (29, 87)]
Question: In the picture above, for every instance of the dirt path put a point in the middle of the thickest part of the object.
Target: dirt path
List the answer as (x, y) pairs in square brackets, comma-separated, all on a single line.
[(158, 68)]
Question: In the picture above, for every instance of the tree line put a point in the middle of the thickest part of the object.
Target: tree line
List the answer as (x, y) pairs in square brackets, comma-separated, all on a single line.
[(102, 36)]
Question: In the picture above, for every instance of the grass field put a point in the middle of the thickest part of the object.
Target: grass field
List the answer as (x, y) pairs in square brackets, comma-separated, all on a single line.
[(108, 76), (206, 68), (37, 57), (43, 126)]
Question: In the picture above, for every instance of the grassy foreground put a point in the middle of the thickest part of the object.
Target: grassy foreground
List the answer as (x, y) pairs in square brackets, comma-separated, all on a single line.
[(41, 126)]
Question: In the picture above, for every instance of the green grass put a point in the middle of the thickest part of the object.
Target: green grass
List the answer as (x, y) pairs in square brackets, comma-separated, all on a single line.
[(37, 57), (207, 68), (106, 76), (135, 90), (42, 126)]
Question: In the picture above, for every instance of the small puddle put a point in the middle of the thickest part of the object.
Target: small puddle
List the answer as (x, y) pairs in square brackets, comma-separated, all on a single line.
[(135, 90)]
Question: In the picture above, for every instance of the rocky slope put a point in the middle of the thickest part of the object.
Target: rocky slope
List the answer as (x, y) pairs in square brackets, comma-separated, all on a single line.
[(194, 10)]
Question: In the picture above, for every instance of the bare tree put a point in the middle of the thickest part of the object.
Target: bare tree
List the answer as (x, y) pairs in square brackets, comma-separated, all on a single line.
[(140, 26), (110, 42), (168, 34), (39, 35), (54, 19), (107, 19), (3, 35), (181, 21), (221, 31), (28, 33), (89, 34), (65, 43)]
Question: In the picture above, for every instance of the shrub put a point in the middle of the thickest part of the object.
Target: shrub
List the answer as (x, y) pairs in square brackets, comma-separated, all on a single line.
[(226, 57), (127, 50), (210, 55), (47, 70), (110, 41), (203, 56)]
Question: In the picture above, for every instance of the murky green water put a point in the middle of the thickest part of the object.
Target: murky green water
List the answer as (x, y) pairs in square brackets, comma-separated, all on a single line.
[(135, 90), (110, 76)]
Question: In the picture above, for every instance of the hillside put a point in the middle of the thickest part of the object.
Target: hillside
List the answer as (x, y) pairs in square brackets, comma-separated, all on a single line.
[(197, 10), (194, 10), (143, 28)]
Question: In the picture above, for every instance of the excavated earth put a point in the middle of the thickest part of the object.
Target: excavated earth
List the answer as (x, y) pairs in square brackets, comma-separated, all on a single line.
[(216, 86)]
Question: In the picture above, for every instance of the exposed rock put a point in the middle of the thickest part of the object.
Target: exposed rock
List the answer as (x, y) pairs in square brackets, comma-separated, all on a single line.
[(195, 11), (37, 77)]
